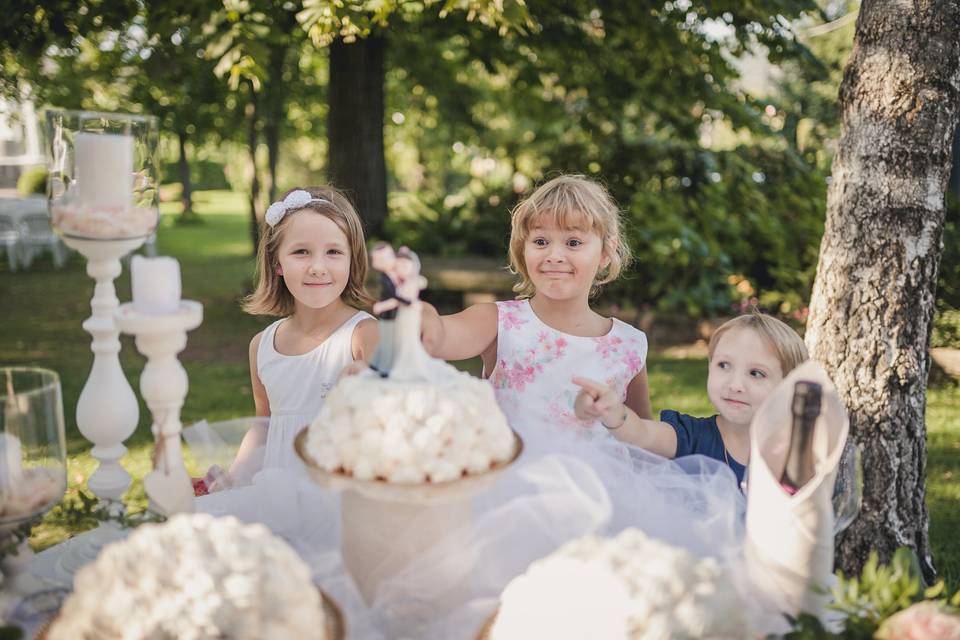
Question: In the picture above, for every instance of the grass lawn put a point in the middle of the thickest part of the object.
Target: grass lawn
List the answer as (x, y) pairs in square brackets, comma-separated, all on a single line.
[(41, 326)]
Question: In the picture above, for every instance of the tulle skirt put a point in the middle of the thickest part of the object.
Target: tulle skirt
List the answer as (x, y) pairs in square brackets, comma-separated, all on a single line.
[(561, 488)]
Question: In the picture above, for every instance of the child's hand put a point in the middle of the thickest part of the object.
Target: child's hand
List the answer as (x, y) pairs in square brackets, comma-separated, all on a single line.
[(385, 305), (598, 402)]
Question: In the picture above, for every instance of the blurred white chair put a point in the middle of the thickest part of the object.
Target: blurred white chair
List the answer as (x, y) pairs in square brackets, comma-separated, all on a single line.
[(36, 236), (9, 238)]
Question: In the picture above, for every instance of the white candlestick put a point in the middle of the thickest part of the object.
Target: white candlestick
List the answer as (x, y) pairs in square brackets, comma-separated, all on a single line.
[(164, 387), (156, 285), (104, 163)]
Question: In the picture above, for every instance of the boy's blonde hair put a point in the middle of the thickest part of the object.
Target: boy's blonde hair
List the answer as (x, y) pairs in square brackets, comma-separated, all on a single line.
[(785, 342), (571, 200), (271, 297)]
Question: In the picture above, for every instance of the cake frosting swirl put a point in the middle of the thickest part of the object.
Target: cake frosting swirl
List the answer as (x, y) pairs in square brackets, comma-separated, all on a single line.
[(194, 576), (410, 432), (631, 586)]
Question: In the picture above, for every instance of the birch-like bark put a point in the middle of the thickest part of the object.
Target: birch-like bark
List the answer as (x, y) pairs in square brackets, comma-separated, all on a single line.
[(873, 299)]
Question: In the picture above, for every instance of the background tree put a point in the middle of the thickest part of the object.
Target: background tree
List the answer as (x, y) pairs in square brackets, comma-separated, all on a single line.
[(873, 298), (515, 108)]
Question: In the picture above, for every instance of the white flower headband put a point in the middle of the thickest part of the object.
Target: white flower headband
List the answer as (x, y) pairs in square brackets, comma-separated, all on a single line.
[(295, 200)]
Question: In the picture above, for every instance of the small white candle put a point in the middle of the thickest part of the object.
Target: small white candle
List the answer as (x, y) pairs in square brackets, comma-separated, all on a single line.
[(104, 164), (11, 474), (156, 285)]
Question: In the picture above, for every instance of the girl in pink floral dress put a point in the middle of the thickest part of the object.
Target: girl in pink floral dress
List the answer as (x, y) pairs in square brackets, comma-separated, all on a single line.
[(574, 478), (566, 242)]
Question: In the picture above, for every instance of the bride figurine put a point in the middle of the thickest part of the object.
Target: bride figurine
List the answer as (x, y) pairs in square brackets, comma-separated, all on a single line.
[(384, 260), (405, 359)]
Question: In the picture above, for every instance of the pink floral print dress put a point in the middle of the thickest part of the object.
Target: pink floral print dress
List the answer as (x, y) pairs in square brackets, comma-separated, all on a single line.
[(535, 364)]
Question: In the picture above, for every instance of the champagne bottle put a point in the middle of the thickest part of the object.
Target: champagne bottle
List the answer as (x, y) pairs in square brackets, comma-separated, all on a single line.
[(799, 468)]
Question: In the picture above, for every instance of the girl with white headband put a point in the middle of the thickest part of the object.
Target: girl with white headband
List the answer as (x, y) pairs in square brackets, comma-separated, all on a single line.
[(311, 269)]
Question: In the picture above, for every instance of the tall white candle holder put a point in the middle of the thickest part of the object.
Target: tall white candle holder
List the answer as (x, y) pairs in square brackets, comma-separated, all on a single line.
[(102, 191), (164, 386), (102, 194)]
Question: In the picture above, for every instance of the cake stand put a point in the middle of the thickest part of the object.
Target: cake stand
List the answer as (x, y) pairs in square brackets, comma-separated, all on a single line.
[(409, 518)]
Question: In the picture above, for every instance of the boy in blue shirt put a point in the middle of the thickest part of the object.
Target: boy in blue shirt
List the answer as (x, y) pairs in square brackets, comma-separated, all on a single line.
[(749, 356)]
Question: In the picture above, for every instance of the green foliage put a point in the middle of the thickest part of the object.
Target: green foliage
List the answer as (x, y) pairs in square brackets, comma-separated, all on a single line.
[(358, 18), (515, 110), (719, 183), (81, 511), (946, 329), (876, 594), (948, 286), (32, 182)]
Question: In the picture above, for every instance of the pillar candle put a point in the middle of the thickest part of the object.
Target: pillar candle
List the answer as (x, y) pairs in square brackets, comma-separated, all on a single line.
[(11, 474), (156, 285), (104, 163)]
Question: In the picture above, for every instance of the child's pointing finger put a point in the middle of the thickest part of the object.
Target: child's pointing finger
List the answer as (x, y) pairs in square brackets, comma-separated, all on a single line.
[(594, 389)]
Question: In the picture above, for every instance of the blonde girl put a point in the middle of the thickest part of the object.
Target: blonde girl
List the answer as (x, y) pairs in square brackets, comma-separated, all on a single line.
[(566, 242)]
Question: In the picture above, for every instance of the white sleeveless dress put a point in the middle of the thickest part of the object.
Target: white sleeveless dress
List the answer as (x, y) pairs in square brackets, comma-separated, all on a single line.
[(297, 386)]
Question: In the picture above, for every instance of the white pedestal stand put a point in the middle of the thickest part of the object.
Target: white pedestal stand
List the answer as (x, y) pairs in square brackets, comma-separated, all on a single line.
[(379, 539), (107, 411), (386, 527), (164, 386)]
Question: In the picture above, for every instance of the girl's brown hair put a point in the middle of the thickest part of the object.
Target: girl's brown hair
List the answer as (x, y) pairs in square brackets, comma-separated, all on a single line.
[(571, 200), (271, 297), (785, 342)]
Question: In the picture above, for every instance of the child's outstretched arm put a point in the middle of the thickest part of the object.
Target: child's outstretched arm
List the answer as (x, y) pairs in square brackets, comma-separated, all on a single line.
[(596, 401), (638, 395), (461, 335), (363, 345), (261, 402), (364, 341)]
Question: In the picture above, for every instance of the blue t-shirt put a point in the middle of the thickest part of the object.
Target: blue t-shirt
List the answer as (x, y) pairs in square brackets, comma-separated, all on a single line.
[(701, 436)]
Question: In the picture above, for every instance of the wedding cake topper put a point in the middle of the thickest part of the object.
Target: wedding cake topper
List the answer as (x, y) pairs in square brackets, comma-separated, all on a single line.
[(400, 354)]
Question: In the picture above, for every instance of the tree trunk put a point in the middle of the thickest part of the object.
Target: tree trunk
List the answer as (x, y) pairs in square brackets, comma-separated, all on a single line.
[(276, 89), (355, 127), (183, 164), (256, 215), (873, 299), (955, 174)]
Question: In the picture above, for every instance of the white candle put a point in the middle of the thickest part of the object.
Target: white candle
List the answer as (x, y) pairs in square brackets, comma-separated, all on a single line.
[(156, 285), (104, 164), (11, 474)]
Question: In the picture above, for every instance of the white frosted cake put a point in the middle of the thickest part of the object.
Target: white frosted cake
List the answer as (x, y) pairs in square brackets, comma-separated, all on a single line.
[(374, 428), (193, 577), (631, 587)]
